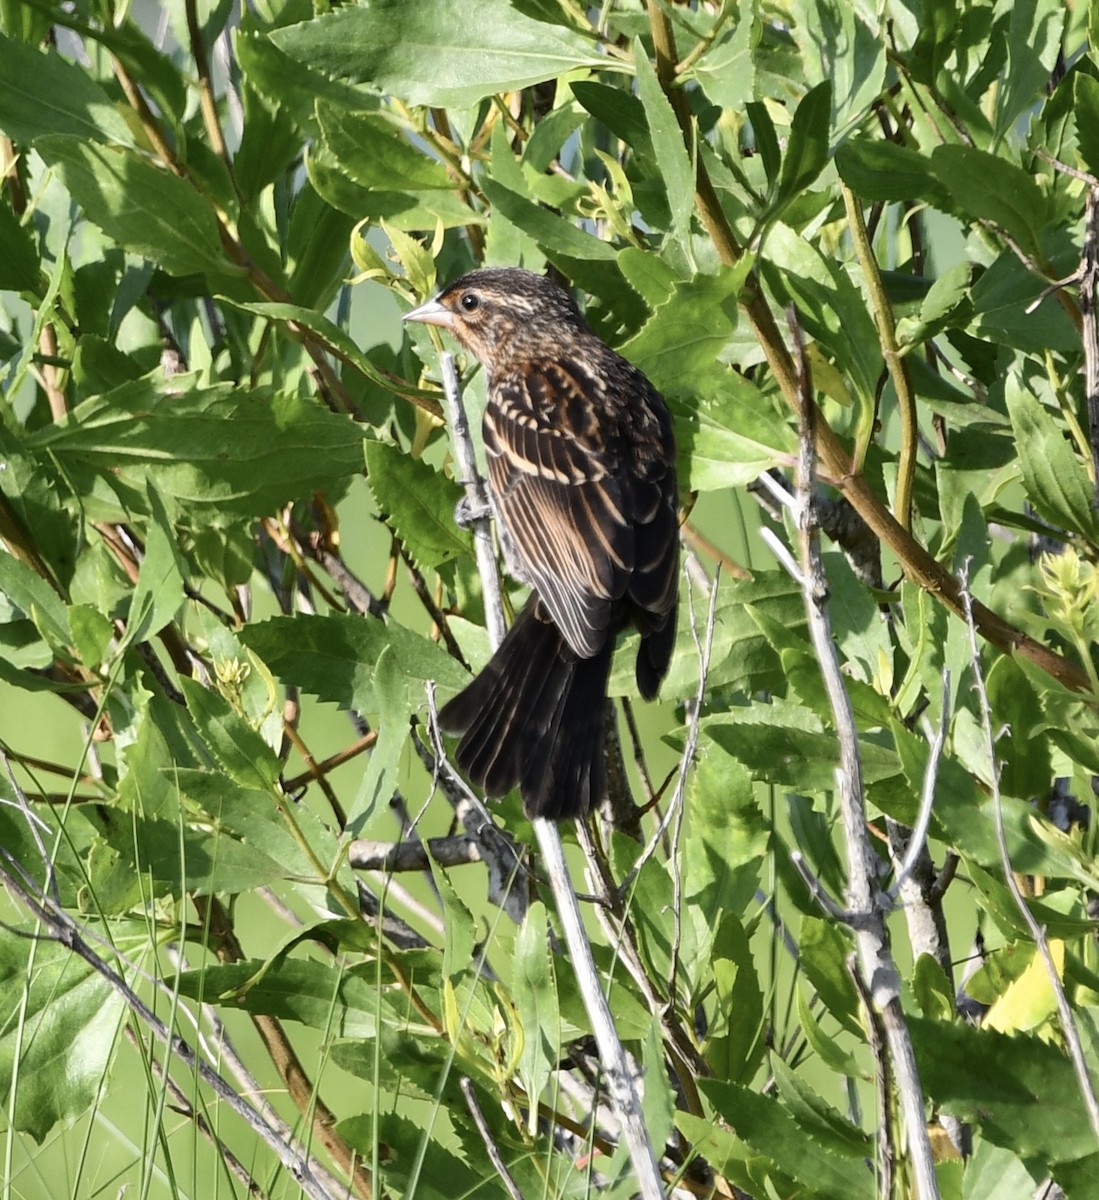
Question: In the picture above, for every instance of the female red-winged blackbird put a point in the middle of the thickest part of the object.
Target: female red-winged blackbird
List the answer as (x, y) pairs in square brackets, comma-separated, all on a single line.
[(581, 468)]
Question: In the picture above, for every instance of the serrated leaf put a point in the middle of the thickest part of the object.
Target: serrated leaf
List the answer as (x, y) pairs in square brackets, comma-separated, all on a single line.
[(237, 747), (158, 594), (31, 595), (343, 1002), (181, 861), (437, 52), (677, 173), (535, 995), (684, 336), (1019, 1090), (1057, 484), (770, 1128), (376, 154), (554, 233), (43, 93), (225, 452), (418, 502), (987, 187), (143, 208), (333, 657)]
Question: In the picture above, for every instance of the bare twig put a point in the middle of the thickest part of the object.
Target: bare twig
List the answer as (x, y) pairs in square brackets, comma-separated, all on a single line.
[(478, 499), (918, 836), (864, 898), (1037, 932), (493, 1150), (458, 851)]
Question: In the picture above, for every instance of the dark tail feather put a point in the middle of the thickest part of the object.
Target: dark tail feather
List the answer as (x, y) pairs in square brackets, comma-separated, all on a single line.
[(535, 718), (654, 655)]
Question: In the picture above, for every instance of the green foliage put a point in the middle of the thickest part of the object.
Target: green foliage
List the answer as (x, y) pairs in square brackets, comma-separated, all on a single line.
[(226, 516)]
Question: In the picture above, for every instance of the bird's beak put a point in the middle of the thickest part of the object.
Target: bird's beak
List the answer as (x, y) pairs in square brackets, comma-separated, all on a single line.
[(432, 313)]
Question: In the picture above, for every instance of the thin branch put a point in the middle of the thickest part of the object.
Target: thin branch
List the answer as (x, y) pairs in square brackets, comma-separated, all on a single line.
[(894, 361), (364, 855), (864, 899), (493, 1150), (318, 770), (207, 100), (480, 509), (918, 836), (1037, 932)]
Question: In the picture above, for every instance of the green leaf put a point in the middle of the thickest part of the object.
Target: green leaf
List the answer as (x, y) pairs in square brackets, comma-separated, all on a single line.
[(807, 152), (418, 503), (31, 595), (1085, 91), (841, 44), (225, 453), (158, 594), (729, 440), (1034, 35), (819, 1117), (677, 173), (238, 748), (824, 949), (143, 208), (1019, 1090), (879, 170), (42, 93), (621, 112), (983, 186), (766, 140), (333, 658), (185, 860), (727, 69), (802, 760), (535, 993), (554, 234), (726, 840), (343, 1002), (19, 269), (770, 1129), (335, 338), (437, 52), (736, 1036), (1056, 482), (62, 1018), (375, 153)]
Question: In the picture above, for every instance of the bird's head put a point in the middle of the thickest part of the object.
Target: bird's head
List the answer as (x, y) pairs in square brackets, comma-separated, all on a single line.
[(497, 312)]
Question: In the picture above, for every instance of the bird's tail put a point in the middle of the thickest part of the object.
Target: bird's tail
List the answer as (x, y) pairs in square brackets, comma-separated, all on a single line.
[(535, 717)]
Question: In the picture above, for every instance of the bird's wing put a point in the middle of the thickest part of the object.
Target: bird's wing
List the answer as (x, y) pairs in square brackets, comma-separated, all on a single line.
[(553, 457)]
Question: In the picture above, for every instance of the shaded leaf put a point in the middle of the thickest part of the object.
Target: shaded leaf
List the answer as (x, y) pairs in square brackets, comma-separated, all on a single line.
[(142, 207)]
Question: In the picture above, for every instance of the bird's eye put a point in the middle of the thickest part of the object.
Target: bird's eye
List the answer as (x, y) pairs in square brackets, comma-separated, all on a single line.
[(471, 302)]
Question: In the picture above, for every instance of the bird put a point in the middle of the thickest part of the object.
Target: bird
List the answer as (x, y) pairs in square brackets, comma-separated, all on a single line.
[(581, 462)]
